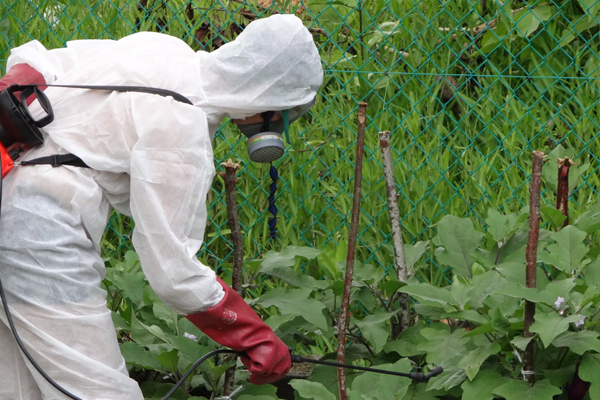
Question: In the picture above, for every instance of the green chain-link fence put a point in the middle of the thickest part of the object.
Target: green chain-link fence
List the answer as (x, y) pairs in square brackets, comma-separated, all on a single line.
[(467, 90)]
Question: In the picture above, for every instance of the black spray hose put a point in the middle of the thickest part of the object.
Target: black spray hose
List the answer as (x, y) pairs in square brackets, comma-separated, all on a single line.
[(415, 376)]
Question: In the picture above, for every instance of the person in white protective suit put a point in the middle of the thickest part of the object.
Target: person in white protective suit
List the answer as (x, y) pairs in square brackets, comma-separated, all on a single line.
[(150, 157)]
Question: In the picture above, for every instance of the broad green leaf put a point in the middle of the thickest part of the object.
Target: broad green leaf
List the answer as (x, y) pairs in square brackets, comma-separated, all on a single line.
[(482, 387), (575, 28), (568, 251), (521, 342), (132, 284), (550, 325), (468, 315), (459, 239), (589, 221), (394, 387), (473, 360), (412, 253), (560, 377), (407, 343), (522, 292), (294, 278), (592, 273), (368, 273), (425, 291), (365, 387), (287, 256), (296, 302), (311, 390), (591, 7), (483, 286), (560, 288), (497, 224), (554, 215), (520, 390), (135, 354), (169, 359), (513, 272), (164, 312), (442, 345), (589, 371), (375, 329), (527, 23), (418, 392), (188, 348), (460, 291), (451, 377), (578, 342)]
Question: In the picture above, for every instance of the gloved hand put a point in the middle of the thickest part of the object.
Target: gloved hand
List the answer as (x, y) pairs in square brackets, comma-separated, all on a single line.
[(234, 324)]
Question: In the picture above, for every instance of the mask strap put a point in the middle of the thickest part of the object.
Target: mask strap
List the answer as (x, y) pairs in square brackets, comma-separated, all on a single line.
[(267, 121), (286, 125)]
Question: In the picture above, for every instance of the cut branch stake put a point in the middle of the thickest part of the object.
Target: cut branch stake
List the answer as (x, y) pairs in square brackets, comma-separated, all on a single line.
[(562, 192), (343, 317), (401, 270), (238, 249), (531, 258)]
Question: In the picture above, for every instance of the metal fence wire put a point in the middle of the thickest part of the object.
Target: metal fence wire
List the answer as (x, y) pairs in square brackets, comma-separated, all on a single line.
[(467, 89)]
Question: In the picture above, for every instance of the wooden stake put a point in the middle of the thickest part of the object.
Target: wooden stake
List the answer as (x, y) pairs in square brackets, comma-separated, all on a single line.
[(343, 320)]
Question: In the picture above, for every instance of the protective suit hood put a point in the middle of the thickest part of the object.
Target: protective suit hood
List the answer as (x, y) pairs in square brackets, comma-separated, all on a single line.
[(272, 65)]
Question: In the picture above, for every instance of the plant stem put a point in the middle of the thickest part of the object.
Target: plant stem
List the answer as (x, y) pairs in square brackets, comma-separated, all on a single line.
[(562, 192), (345, 302), (531, 257), (238, 249), (401, 270)]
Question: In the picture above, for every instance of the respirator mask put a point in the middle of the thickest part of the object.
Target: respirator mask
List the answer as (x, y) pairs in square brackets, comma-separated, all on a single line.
[(265, 140)]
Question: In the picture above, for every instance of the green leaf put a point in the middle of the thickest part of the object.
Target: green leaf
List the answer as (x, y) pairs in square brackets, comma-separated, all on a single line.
[(459, 239), (554, 215), (294, 278), (412, 253), (473, 360), (441, 345), (287, 256), (311, 390), (135, 354), (425, 291), (169, 359), (591, 7), (375, 329), (132, 284), (527, 23), (578, 342), (394, 387), (520, 390), (365, 387), (483, 286), (460, 291), (497, 224), (407, 343), (521, 342), (296, 302), (577, 27), (483, 386), (589, 221), (521, 292), (418, 392), (550, 325), (560, 288), (468, 315), (451, 377), (589, 371), (568, 251)]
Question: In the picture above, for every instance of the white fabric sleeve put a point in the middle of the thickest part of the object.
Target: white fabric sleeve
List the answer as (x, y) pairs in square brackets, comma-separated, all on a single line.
[(171, 173), (52, 64)]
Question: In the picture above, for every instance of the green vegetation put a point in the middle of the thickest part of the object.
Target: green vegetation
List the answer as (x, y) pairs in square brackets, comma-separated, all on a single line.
[(466, 104)]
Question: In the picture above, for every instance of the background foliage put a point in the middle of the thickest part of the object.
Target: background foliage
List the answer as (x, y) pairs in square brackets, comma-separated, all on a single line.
[(467, 89)]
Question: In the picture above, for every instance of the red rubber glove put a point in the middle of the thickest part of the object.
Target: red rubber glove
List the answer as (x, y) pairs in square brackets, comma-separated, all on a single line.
[(232, 323), (22, 74)]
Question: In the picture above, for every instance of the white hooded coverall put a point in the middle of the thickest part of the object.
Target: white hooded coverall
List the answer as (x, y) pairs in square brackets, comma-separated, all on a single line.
[(151, 158)]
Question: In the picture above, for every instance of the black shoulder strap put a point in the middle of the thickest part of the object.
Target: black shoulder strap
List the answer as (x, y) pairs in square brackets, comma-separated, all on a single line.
[(140, 89), (57, 160)]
